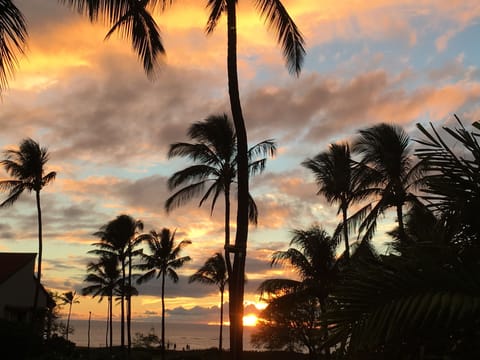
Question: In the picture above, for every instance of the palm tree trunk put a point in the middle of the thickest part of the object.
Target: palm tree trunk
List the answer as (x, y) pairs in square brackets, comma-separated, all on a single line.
[(68, 319), (163, 316), (129, 302), (108, 322), (122, 310), (110, 304), (227, 230), (220, 338), (40, 252), (236, 282), (345, 231)]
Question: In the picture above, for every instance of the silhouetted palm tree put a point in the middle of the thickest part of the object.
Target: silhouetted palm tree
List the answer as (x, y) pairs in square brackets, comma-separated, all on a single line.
[(13, 37), (292, 43), (26, 166), (105, 277), (392, 174), (164, 259), (312, 256), (215, 167), (338, 180), (70, 298), (118, 237), (214, 272)]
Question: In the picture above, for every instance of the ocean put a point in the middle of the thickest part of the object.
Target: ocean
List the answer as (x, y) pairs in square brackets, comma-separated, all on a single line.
[(196, 336)]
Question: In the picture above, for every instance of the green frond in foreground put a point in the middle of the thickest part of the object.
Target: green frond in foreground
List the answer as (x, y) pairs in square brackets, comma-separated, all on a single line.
[(425, 297)]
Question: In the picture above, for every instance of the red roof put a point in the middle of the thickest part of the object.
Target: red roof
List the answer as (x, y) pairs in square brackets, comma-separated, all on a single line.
[(10, 263)]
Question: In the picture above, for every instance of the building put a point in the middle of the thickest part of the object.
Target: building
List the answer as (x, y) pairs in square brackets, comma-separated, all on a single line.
[(17, 287)]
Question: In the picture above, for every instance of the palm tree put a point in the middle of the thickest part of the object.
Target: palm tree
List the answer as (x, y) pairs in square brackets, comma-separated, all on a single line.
[(215, 156), (164, 259), (292, 44), (214, 272), (70, 298), (105, 277), (312, 256), (391, 172), (118, 238), (336, 174), (26, 166), (13, 38)]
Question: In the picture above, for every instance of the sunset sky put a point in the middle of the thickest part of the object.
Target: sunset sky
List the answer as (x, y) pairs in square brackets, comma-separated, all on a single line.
[(108, 127)]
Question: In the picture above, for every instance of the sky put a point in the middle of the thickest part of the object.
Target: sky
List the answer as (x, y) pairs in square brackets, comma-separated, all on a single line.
[(108, 126)]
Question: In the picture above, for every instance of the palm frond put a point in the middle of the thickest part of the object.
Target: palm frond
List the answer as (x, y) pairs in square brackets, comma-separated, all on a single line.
[(278, 287), (217, 8), (252, 210), (13, 40), (288, 34), (132, 20), (184, 195)]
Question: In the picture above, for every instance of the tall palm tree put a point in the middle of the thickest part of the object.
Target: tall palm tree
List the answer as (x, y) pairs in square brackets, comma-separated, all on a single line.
[(132, 19), (118, 238), (292, 44), (337, 177), (105, 278), (214, 272), (392, 173), (70, 298), (215, 168), (13, 38), (312, 256), (162, 262), (26, 166)]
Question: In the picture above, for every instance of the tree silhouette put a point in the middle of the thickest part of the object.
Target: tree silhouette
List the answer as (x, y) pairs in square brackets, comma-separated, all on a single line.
[(338, 180), (162, 262), (391, 171), (26, 166), (70, 298), (292, 43), (105, 278), (215, 168), (118, 238), (312, 256), (13, 37), (214, 272)]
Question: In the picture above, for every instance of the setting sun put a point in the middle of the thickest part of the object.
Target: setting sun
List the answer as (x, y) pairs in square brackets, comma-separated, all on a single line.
[(250, 320)]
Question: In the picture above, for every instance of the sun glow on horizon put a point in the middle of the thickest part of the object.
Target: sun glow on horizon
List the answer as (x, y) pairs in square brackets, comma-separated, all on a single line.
[(250, 320)]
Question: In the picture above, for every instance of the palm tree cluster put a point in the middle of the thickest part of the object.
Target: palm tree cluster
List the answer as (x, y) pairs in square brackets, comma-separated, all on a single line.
[(133, 20), (69, 298), (213, 172), (422, 298), (118, 254)]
